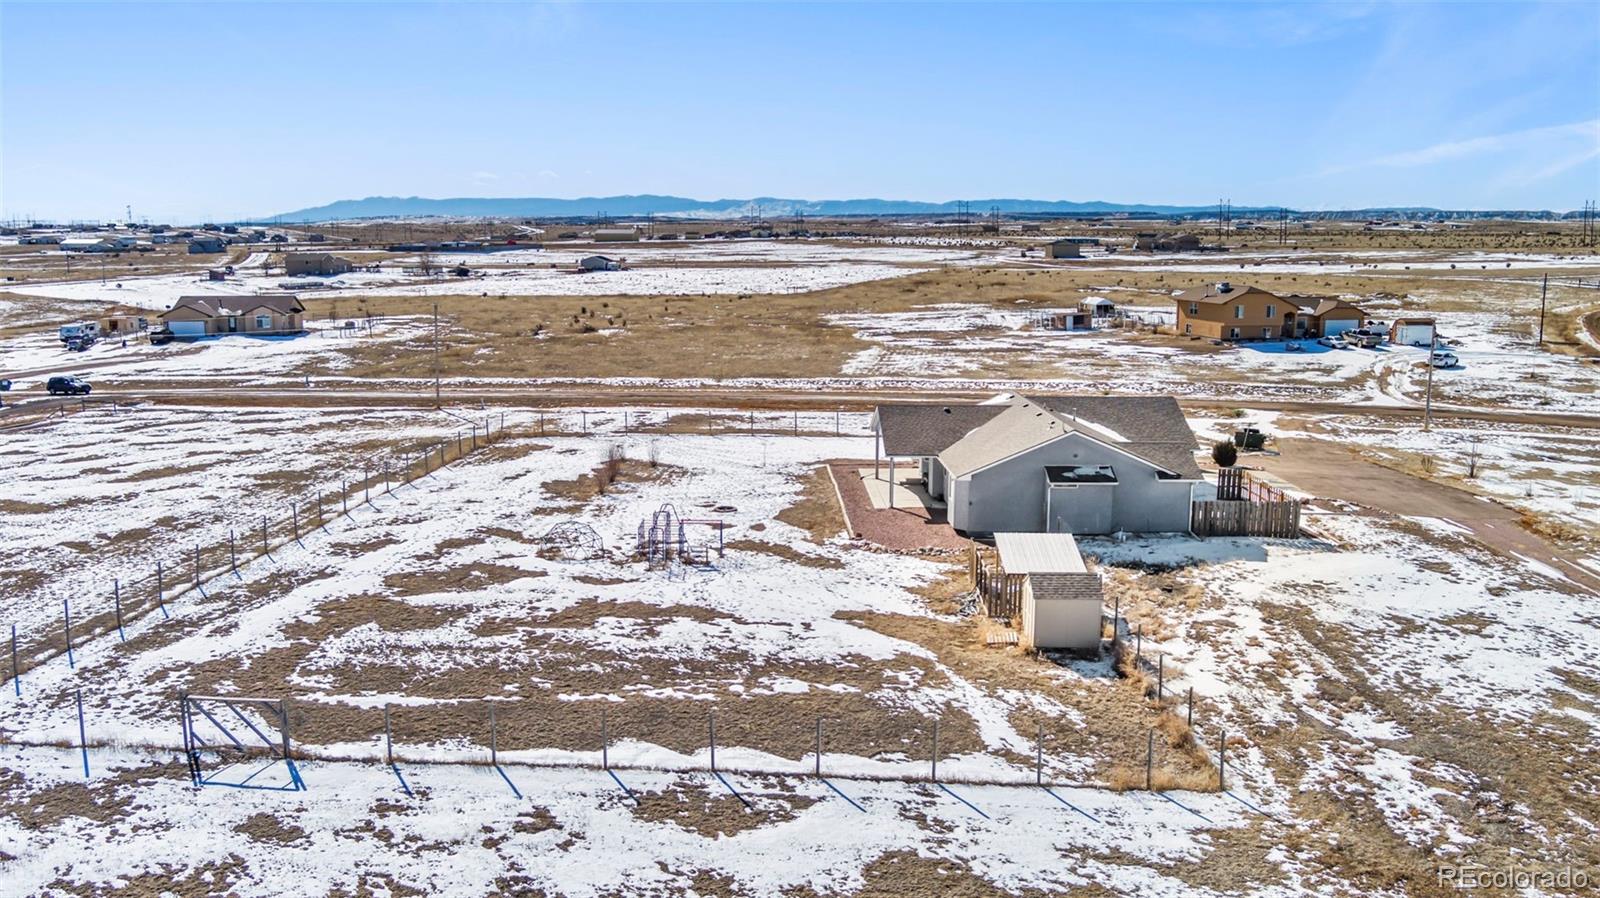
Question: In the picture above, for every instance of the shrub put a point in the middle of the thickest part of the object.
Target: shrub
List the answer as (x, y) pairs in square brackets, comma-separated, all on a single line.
[(1224, 454)]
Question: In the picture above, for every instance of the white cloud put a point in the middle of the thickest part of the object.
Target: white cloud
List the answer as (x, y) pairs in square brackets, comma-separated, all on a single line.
[(1544, 152)]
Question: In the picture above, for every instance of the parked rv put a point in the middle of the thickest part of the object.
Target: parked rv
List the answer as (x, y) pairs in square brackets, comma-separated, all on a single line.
[(69, 332)]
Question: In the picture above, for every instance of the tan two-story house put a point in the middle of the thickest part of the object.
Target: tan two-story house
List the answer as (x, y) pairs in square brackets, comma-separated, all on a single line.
[(1231, 312), (1228, 312), (267, 315)]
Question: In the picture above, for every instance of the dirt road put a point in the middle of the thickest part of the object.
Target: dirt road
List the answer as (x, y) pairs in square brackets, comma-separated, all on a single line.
[(1337, 472)]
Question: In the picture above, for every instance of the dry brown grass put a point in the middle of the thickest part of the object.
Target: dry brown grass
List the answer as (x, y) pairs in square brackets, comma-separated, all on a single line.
[(817, 510)]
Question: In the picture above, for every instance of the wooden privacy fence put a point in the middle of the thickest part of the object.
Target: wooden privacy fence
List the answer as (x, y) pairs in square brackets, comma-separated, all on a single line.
[(1280, 520), (999, 592), (1237, 484), (1245, 507)]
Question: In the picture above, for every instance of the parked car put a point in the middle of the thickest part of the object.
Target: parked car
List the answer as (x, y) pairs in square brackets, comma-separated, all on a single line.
[(160, 337), (67, 385), (1364, 338), (1443, 358), (1334, 342)]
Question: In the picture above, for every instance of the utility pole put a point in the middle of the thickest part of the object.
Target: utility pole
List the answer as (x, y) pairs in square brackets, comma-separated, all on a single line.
[(436, 354), (1427, 402)]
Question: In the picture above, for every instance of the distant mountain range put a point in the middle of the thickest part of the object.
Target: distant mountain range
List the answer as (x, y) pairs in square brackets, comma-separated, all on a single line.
[(683, 207), (777, 207)]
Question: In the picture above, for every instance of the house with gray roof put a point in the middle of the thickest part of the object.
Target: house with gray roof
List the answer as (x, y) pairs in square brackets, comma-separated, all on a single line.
[(1066, 464)]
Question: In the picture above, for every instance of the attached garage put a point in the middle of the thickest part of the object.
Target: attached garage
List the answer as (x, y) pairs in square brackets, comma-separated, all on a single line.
[(187, 328), (1334, 326)]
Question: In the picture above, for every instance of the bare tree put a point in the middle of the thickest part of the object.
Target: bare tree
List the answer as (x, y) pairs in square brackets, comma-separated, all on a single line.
[(1473, 454), (428, 263)]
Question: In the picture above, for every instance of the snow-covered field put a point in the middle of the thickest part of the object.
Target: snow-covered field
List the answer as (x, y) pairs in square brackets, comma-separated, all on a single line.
[(438, 597), (1499, 367)]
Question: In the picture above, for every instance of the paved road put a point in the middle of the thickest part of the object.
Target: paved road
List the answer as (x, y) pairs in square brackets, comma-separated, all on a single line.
[(1337, 472), (819, 398)]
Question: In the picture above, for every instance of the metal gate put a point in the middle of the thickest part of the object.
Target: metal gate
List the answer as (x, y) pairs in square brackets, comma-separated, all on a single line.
[(238, 741)]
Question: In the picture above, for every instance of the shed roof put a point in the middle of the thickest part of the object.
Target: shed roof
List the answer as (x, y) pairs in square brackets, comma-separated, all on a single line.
[(1083, 587), (1039, 553)]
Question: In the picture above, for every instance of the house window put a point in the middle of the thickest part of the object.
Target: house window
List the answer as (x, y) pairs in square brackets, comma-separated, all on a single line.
[(1272, 311), (1266, 333), (1238, 311), (263, 322), (1233, 333), (1188, 328), (1194, 308)]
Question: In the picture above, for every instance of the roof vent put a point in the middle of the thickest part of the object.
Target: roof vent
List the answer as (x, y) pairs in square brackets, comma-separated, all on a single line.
[(1224, 287), (947, 409)]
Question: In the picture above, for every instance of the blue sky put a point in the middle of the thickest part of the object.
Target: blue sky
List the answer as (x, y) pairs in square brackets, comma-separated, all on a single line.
[(222, 110)]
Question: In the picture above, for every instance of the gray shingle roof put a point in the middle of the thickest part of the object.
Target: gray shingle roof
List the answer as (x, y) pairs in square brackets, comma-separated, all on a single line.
[(1083, 587), (926, 429), (219, 305), (1148, 427)]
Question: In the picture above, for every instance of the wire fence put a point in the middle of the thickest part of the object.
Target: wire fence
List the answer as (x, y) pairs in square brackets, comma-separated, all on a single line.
[(177, 571)]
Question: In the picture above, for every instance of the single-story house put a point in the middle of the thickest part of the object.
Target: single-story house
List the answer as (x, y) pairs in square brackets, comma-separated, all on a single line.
[(88, 245), (1412, 332), (269, 314), (201, 245), (301, 264), (1070, 320), (1057, 464), (599, 263), (1225, 311), (1097, 307), (1063, 249), (1062, 602)]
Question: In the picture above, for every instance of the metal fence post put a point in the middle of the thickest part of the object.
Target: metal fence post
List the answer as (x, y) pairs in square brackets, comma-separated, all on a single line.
[(294, 519), (1222, 762), (265, 549), (344, 496), (388, 737), (1190, 721), (116, 599), (934, 774), (197, 565), (233, 560), (83, 738), (605, 743), (319, 508), (366, 482), (1161, 676), (494, 738), (711, 721), (16, 672), (386, 475)]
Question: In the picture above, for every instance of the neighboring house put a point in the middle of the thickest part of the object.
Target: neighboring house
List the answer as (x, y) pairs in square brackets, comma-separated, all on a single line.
[(1062, 602), (88, 245), (1063, 249), (1068, 464), (1412, 332), (269, 314), (301, 264), (1226, 311), (201, 245), (39, 240), (599, 263)]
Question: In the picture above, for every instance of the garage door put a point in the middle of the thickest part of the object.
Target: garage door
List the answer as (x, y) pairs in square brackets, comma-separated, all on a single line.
[(1338, 326), (187, 328)]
